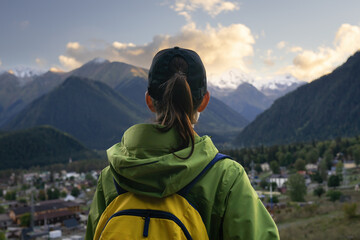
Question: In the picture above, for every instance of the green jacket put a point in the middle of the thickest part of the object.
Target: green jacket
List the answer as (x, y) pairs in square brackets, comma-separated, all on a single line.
[(143, 163)]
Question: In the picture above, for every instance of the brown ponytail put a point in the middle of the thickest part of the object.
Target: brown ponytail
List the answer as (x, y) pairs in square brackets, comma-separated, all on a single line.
[(176, 109)]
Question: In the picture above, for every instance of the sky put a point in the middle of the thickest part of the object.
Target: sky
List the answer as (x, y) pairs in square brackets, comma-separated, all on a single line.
[(263, 38)]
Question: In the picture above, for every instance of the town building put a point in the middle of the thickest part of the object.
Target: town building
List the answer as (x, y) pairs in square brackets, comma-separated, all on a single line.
[(47, 212), (278, 179)]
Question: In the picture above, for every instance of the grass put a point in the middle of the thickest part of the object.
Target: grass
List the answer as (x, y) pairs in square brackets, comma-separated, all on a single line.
[(321, 220), (353, 176), (324, 228)]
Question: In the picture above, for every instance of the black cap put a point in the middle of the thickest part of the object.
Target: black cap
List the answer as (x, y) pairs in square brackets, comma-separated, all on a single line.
[(160, 72)]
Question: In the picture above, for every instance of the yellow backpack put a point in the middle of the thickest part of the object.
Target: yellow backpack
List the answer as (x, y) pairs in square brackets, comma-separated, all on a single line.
[(133, 216)]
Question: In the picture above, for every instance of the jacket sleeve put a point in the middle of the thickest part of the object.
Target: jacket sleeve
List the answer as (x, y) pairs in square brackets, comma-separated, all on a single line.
[(97, 207), (245, 216)]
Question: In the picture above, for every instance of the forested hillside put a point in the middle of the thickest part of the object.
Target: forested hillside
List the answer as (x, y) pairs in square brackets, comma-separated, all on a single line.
[(40, 146), (90, 111), (290, 155), (326, 108)]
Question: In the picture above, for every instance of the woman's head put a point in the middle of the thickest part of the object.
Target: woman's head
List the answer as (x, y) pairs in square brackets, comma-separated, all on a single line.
[(177, 91)]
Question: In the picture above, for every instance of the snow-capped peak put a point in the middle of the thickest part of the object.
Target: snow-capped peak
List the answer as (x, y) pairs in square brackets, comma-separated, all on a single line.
[(280, 85), (98, 60), (280, 82), (25, 72), (230, 80), (272, 87), (233, 78)]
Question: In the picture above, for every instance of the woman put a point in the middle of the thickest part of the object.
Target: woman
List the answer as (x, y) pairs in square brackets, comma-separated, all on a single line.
[(158, 160)]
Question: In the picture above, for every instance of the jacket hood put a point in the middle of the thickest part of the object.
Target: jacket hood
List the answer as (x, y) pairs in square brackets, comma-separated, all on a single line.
[(143, 161)]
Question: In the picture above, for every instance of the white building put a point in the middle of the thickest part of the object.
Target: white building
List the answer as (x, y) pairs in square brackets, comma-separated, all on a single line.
[(278, 179), (311, 167), (265, 167)]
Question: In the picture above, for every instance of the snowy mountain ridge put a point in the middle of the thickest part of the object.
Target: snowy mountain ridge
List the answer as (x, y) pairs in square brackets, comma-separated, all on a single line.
[(26, 72), (232, 79), (98, 60), (280, 82), (24, 75)]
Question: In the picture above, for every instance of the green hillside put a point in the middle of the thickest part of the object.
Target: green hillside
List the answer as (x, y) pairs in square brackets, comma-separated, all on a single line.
[(90, 111), (326, 108), (39, 146)]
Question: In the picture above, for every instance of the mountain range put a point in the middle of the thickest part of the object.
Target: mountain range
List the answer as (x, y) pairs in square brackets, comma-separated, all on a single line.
[(90, 111), (273, 87), (74, 102), (46, 98), (245, 99), (250, 96), (326, 108), (21, 86), (98, 101), (97, 115)]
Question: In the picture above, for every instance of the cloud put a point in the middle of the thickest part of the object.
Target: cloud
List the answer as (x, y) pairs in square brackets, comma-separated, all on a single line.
[(281, 45), (55, 69), (212, 7), (269, 60), (76, 54), (295, 49), (73, 45), (119, 45), (309, 65), (69, 62), (347, 40), (221, 48), (186, 15), (0, 62)]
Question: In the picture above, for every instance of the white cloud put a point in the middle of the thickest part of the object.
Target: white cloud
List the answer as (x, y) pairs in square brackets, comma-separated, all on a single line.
[(295, 49), (56, 69), (120, 45), (281, 45), (76, 54), (0, 62), (212, 7), (186, 15), (221, 48), (73, 45), (310, 65), (69, 62), (347, 40)]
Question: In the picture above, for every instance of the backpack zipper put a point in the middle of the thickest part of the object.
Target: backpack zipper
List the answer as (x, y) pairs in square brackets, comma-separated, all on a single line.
[(147, 214)]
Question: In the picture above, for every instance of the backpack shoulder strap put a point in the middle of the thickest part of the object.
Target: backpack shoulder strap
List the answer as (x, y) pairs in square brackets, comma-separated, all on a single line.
[(119, 189), (188, 187)]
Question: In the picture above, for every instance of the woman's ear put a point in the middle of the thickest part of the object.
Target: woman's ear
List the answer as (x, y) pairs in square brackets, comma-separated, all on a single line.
[(204, 102), (149, 102)]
